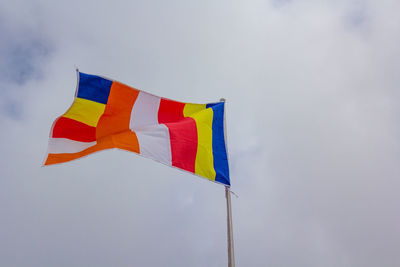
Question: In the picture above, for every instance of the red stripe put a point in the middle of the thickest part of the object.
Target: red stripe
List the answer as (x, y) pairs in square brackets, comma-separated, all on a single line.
[(183, 136), (74, 130), (182, 133), (170, 111)]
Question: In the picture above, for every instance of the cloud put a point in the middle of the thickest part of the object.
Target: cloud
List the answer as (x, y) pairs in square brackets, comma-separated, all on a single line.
[(280, 3), (23, 53), (312, 103)]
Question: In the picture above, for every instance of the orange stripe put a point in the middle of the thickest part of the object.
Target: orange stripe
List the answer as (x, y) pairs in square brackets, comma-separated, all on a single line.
[(102, 144), (117, 114), (126, 140)]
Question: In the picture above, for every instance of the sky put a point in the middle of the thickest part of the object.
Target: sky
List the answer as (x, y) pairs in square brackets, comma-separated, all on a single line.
[(312, 91)]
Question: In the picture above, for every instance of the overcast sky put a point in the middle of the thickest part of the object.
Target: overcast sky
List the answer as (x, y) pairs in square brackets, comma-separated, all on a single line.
[(312, 91)]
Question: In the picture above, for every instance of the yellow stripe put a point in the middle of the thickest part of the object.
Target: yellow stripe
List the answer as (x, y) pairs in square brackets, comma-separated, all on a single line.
[(191, 109), (204, 164), (85, 111)]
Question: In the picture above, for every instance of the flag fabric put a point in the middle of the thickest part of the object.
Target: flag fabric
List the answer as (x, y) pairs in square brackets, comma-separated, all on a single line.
[(108, 114)]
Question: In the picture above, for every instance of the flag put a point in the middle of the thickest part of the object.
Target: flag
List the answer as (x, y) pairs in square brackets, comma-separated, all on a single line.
[(107, 114)]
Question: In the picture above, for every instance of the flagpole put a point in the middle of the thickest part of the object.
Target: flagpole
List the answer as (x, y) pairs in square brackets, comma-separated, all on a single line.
[(231, 256)]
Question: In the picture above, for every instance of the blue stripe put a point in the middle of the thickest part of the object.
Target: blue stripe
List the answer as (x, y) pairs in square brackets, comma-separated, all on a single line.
[(218, 143), (95, 88)]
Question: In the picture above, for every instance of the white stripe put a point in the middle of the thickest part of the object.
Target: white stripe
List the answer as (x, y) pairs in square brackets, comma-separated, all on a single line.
[(144, 111), (63, 145), (153, 137), (154, 143)]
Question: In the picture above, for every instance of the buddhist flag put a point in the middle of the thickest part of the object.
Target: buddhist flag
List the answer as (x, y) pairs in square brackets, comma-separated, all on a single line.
[(107, 114)]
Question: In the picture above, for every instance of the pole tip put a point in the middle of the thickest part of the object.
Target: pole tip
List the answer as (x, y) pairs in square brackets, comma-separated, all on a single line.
[(222, 99)]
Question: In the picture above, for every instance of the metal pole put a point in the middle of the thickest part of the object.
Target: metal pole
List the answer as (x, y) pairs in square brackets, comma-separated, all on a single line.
[(231, 256)]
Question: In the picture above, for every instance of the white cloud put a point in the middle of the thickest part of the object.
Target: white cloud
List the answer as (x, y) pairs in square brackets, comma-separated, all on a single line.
[(312, 97)]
